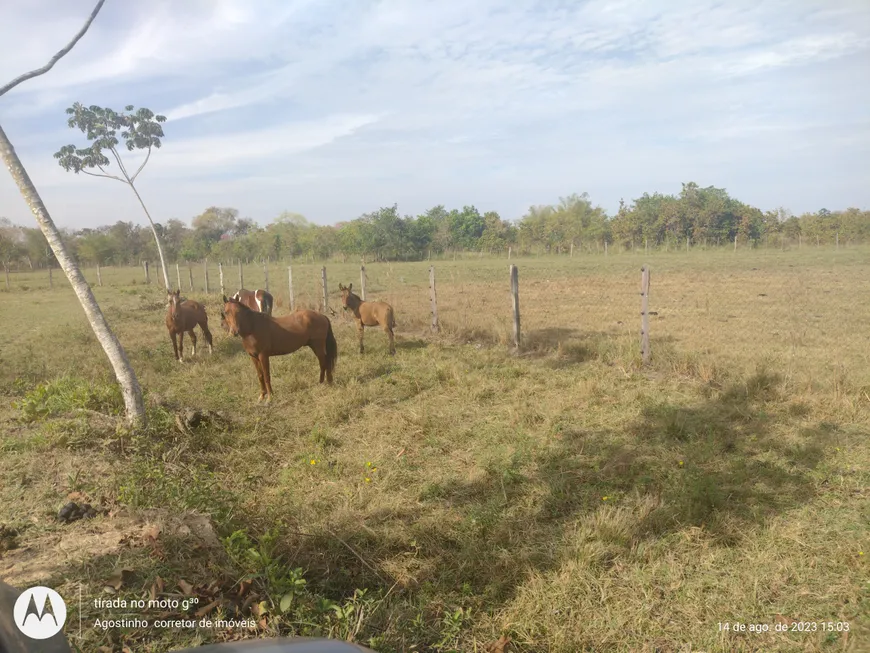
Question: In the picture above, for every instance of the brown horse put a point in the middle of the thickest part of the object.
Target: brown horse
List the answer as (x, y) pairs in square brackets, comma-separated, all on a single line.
[(369, 314), (264, 336), (182, 316), (257, 300)]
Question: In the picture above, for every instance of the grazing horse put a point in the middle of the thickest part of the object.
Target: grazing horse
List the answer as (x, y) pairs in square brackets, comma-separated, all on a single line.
[(264, 336), (257, 300), (183, 315), (369, 314)]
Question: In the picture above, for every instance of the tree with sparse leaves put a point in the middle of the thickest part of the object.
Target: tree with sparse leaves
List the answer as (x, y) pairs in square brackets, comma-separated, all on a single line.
[(130, 388), (141, 130)]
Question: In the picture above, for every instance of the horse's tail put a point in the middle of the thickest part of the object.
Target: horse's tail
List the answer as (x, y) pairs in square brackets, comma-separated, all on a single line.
[(331, 347)]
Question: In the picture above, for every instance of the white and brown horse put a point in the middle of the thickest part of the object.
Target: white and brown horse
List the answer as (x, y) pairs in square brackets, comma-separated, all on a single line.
[(257, 300)]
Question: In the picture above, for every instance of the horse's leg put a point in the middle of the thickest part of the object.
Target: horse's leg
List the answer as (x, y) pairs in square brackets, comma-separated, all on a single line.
[(174, 344), (207, 334), (267, 376), (389, 331), (360, 330), (259, 369), (320, 352), (181, 346), (193, 341)]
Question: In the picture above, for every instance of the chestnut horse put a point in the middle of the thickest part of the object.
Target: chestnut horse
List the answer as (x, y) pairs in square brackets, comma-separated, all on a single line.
[(257, 300), (183, 315), (264, 336), (369, 314)]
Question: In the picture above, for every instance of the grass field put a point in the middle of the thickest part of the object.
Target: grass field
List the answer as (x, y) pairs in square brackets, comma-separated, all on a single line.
[(565, 497)]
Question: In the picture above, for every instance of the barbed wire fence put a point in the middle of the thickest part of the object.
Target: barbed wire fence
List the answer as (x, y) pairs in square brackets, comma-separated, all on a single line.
[(584, 303)]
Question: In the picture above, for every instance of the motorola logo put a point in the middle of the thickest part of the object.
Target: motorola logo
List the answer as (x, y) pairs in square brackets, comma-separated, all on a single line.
[(39, 612)]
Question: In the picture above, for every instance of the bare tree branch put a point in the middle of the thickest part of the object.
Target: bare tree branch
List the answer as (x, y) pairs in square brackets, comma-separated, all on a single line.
[(147, 156), (107, 176), (121, 164), (69, 46)]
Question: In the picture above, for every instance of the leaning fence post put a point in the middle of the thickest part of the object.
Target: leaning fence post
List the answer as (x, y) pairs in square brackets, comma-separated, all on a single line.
[(290, 284), (221, 275), (433, 298), (205, 274), (6, 271), (644, 313), (362, 282), (99, 275), (515, 296), (241, 279), (266, 275), (178, 275), (325, 292), (147, 276), (190, 276)]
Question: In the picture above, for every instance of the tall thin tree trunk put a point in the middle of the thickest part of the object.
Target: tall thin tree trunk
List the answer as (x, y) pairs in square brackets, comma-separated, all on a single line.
[(130, 387), (156, 238)]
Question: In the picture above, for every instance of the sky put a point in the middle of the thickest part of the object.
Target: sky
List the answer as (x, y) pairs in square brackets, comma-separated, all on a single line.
[(332, 109)]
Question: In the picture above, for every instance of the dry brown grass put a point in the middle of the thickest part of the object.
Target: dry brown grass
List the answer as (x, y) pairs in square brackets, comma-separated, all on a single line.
[(564, 496)]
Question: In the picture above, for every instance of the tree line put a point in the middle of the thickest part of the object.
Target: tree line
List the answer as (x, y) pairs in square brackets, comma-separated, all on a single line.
[(705, 216)]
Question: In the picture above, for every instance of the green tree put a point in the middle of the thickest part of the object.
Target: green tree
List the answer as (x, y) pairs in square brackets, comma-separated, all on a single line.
[(141, 130)]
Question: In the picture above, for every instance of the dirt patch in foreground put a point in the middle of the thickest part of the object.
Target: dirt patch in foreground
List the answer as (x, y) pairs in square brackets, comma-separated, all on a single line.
[(48, 555)]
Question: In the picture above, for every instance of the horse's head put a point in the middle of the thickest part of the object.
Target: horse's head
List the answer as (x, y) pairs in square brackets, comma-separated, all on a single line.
[(175, 300), (348, 300), (230, 313)]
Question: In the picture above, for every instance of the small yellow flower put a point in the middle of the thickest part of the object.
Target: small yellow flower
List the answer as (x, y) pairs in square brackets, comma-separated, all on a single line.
[(313, 462), (681, 463), (604, 498), (860, 553), (368, 480)]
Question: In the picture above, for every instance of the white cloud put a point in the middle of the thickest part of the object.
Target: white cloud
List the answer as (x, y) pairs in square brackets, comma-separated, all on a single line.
[(354, 104)]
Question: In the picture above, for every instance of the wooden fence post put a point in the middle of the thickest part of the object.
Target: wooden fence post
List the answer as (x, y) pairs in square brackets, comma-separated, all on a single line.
[(325, 290), (147, 276), (205, 274), (99, 276), (290, 284), (50, 280), (688, 238), (515, 296), (572, 249), (433, 299), (362, 282), (646, 246), (735, 242), (6, 271), (221, 275), (241, 278), (838, 240), (266, 275), (510, 251), (644, 314), (605, 247), (190, 276), (178, 274), (800, 241)]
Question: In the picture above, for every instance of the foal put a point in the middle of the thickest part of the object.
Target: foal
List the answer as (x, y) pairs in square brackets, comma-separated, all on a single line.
[(183, 315), (257, 300), (264, 336), (369, 314)]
